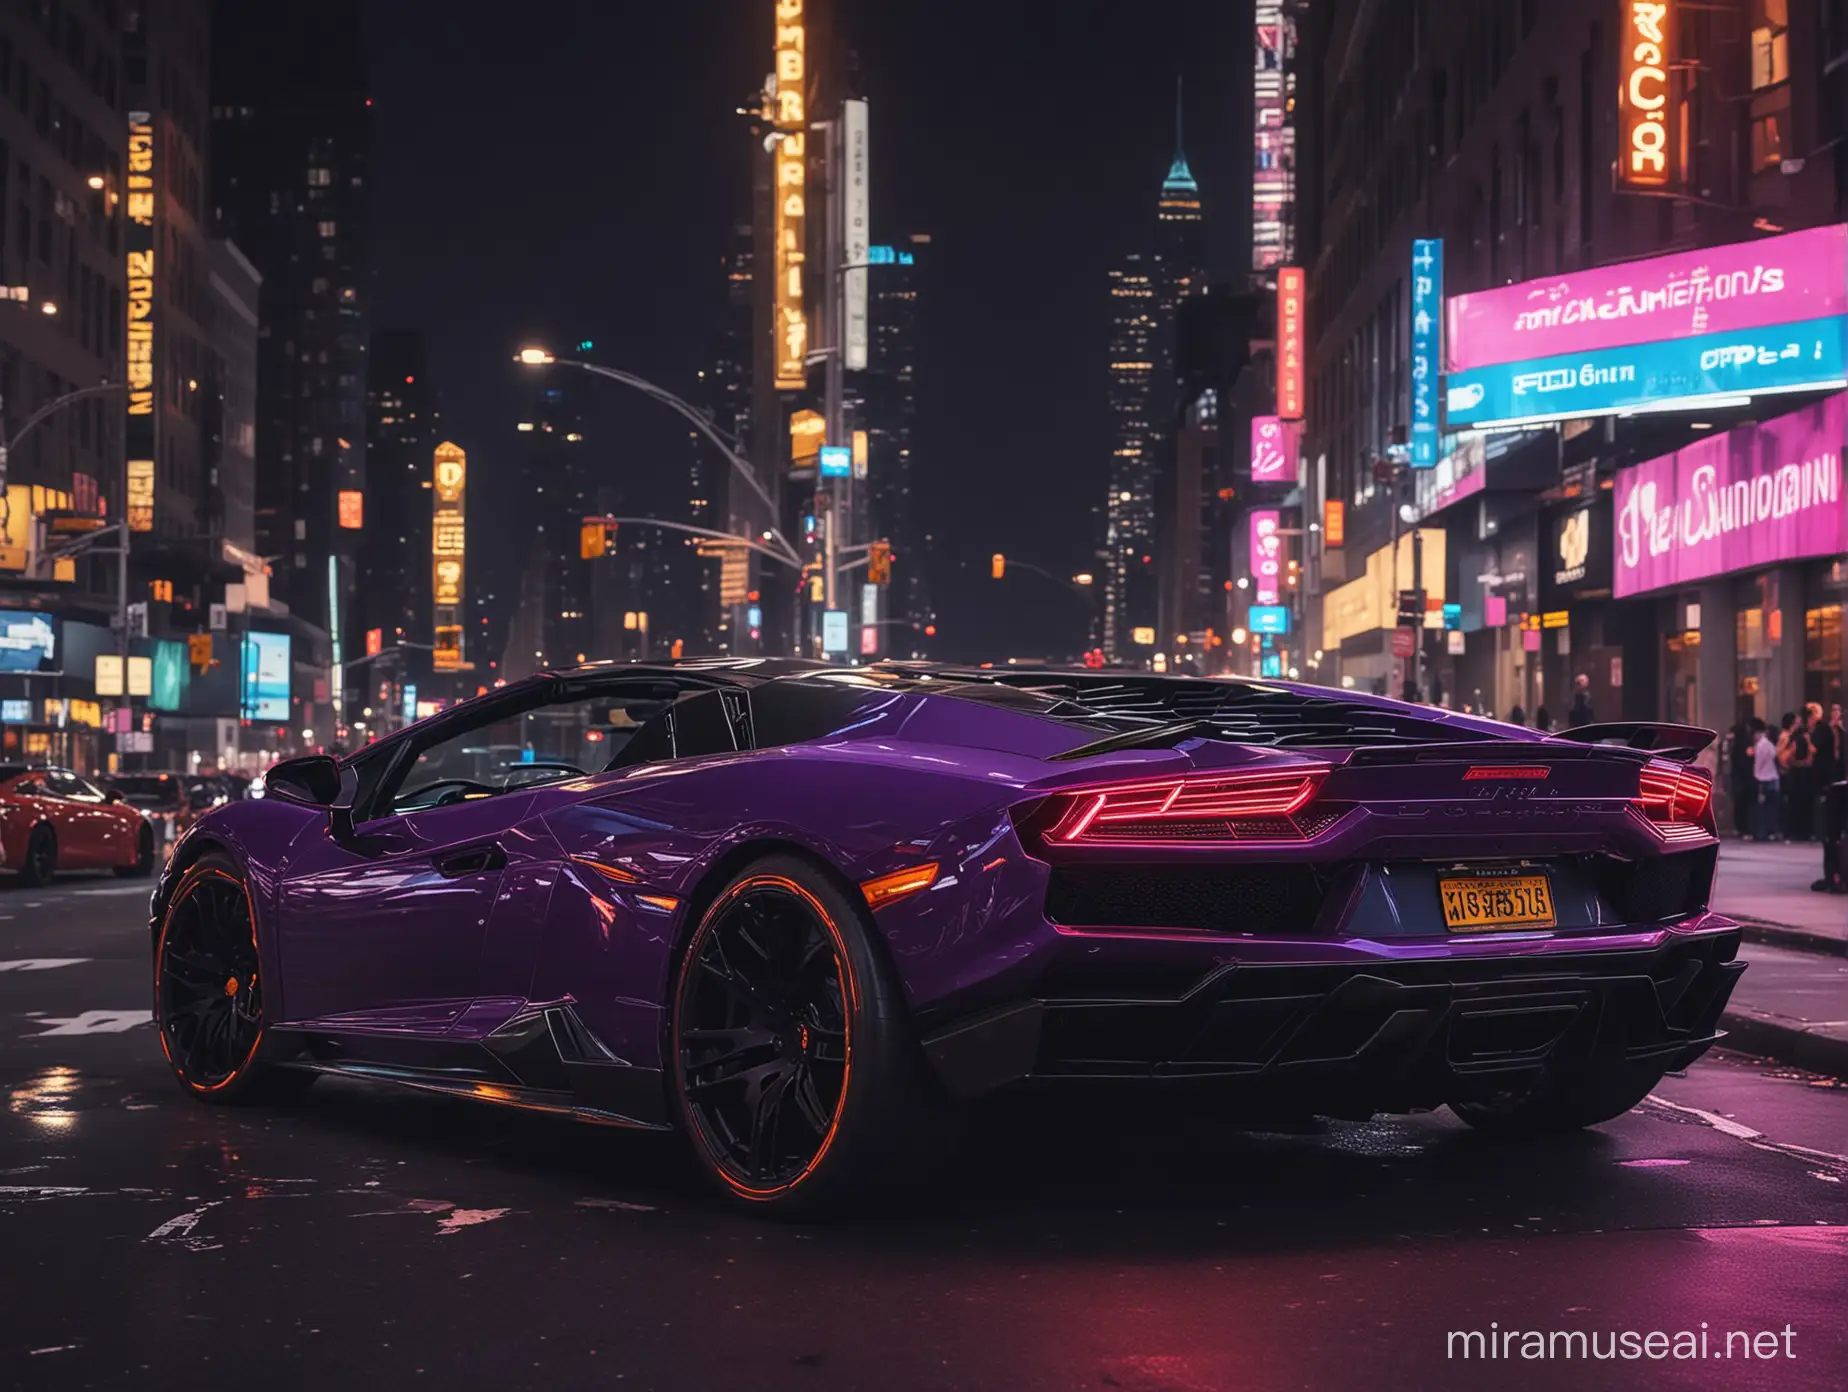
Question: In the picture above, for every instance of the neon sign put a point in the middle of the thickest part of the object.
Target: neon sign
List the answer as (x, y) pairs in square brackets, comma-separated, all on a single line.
[(1644, 149), (789, 115), (1290, 343)]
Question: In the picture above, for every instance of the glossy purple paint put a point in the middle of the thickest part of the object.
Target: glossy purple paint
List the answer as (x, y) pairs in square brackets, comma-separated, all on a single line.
[(377, 939)]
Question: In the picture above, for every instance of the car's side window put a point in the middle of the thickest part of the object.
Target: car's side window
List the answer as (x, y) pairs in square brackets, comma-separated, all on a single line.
[(70, 787), (587, 732)]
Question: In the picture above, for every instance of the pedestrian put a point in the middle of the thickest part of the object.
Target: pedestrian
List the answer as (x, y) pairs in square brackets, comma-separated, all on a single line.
[(1543, 722), (1742, 782), (1517, 716), (1764, 774), (1795, 760), (1825, 739), (1580, 713)]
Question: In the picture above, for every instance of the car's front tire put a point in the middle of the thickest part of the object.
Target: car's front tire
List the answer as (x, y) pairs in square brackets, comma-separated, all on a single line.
[(144, 857), (1569, 1103), (208, 990), (793, 1071), (41, 862)]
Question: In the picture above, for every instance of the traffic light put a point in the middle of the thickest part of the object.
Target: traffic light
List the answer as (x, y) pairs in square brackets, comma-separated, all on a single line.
[(1000, 565), (879, 563), (162, 590), (595, 538)]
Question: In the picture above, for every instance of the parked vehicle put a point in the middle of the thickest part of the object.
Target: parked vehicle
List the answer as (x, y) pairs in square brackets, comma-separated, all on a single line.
[(802, 914), (51, 819)]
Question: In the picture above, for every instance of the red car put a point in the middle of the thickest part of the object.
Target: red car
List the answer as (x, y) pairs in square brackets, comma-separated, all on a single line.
[(52, 820)]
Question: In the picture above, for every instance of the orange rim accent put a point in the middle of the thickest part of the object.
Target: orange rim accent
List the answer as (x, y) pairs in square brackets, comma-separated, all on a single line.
[(849, 992), (187, 882)]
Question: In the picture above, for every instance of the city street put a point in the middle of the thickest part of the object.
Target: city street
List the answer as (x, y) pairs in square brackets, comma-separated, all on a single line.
[(375, 1237)]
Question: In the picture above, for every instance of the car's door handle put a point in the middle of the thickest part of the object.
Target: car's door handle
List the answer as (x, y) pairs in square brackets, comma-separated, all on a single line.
[(476, 860)]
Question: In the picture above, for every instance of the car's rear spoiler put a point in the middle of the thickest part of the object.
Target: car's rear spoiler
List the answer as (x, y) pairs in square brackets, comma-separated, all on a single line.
[(1680, 742)]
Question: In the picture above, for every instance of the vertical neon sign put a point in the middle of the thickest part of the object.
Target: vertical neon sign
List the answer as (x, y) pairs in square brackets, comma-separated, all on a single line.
[(1427, 324)]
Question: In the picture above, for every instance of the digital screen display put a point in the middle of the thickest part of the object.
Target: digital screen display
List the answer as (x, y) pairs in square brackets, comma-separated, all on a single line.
[(266, 676), (1270, 618), (16, 712), (28, 642)]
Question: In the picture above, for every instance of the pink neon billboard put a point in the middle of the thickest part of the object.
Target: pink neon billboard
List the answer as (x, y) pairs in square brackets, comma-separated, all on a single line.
[(1273, 451), (1756, 496), (1747, 285), (1266, 555)]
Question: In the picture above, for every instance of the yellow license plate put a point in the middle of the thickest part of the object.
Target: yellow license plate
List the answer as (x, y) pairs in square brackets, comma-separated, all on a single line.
[(1481, 903)]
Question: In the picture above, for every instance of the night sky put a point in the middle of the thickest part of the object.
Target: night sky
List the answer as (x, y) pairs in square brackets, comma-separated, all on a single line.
[(562, 171)]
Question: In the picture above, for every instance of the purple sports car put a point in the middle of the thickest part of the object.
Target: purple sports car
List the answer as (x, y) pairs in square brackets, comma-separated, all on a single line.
[(802, 914)]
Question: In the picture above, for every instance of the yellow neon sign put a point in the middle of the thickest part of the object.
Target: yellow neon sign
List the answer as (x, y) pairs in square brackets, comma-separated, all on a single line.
[(1643, 160)]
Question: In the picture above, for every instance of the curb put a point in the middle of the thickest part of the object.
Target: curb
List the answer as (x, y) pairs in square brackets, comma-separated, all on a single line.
[(1797, 1046), (1782, 935)]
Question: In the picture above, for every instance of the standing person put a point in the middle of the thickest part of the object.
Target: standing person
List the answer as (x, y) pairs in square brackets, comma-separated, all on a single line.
[(1825, 740), (1743, 783), (1793, 760), (1543, 722), (1517, 716), (1764, 774), (1581, 713)]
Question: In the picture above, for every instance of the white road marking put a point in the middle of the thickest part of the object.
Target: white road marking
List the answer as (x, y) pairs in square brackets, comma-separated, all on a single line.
[(40, 1191), (94, 1022), (1724, 1125), (616, 1203), (26, 964), (114, 891), (178, 1229)]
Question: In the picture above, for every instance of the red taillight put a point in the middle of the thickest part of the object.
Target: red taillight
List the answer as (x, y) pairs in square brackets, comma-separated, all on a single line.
[(1180, 809), (1677, 800)]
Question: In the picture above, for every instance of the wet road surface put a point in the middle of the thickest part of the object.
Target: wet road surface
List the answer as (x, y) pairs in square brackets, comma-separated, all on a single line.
[(369, 1237)]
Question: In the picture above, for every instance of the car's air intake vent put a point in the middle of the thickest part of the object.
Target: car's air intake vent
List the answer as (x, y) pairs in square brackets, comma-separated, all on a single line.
[(1210, 899), (1665, 886)]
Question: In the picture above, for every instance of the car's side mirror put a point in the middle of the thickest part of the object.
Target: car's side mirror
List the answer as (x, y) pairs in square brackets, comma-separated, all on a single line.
[(311, 779)]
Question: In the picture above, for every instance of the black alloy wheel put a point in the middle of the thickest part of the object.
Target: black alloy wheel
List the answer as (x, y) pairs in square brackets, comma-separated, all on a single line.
[(208, 992), (763, 1025)]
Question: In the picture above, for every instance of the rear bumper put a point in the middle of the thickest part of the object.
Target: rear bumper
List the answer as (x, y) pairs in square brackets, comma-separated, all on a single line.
[(1393, 1032)]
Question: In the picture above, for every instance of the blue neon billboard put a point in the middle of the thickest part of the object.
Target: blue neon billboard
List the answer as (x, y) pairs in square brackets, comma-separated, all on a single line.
[(1269, 618), (1427, 304), (836, 461), (266, 676), (1810, 355)]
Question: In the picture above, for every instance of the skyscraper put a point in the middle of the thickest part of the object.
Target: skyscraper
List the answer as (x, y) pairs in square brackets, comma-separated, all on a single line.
[(888, 392), (403, 429), (291, 135), (1146, 291), (1129, 508)]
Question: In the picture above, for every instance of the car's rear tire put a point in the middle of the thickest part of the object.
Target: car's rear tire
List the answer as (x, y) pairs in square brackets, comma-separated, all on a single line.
[(144, 857), (208, 990), (793, 1072), (41, 862), (1570, 1103)]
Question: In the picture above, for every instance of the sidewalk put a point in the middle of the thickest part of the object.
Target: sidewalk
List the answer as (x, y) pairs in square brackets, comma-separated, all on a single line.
[(1791, 1006), (1768, 886)]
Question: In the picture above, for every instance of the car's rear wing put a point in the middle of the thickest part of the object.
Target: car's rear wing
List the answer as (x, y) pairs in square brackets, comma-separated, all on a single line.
[(1679, 742)]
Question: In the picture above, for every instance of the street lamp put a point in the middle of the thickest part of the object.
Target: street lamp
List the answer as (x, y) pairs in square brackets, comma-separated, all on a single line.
[(535, 356)]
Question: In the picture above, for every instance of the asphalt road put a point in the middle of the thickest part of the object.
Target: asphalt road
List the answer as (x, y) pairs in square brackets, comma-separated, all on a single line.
[(366, 1238)]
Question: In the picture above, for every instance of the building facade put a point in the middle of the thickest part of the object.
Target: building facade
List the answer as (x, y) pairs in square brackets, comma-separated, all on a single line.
[(291, 132), (1510, 133), (393, 595)]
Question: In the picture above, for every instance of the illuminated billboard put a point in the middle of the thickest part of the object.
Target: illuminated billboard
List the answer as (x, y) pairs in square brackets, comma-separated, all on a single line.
[(789, 158), (1741, 286), (855, 157), (1273, 451), (1759, 495), (139, 360), (448, 550), (352, 507), (265, 693), (1646, 138), (1266, 555), (1427, 306), (1710, 369), (1273, 178), (1290, 343), (28, 642)]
